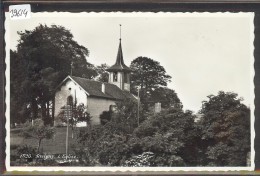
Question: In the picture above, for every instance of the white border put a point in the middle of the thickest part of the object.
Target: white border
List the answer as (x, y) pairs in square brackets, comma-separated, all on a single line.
[(130, 169)]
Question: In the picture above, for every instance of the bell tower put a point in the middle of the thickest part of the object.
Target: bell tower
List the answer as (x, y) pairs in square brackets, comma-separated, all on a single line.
[(119, 73)]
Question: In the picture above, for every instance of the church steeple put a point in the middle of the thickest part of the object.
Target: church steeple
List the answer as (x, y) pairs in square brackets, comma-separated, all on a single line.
[(119, 73), (119, 65)]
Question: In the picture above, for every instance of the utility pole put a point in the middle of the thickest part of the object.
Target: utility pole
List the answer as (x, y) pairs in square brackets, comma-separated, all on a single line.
[(138, 105), (68, 115), (71, 68)]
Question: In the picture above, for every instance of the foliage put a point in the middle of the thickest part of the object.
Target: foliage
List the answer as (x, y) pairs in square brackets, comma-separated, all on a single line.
[(225, 128), (78, 114), (118, 143), (143, 160), (28, 151), (38, 131), (126, 113), (105, 117), (43, 58), (167, 135), (148, 74), (106, 143), (102, 74), (166, 96)]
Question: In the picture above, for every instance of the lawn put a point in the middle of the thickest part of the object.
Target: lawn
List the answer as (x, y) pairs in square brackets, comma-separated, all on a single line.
[(56, 145)]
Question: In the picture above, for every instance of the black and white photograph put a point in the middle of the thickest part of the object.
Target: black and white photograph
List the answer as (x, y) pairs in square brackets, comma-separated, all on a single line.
[(130, 91)]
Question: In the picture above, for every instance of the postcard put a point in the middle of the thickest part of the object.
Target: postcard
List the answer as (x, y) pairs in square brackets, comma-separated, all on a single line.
[(121, 91)]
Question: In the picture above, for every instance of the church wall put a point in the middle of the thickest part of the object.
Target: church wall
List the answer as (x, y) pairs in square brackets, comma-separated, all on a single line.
[(62, 94), (96, 106)]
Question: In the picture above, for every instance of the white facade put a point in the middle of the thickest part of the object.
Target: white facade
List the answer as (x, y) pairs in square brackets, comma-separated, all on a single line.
[(95, 106)]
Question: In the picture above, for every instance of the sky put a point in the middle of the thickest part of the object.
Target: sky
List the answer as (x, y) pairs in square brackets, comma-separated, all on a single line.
[(203, 52)]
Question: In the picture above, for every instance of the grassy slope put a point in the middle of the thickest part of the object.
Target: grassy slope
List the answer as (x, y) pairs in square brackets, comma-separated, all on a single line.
[(57, 145)]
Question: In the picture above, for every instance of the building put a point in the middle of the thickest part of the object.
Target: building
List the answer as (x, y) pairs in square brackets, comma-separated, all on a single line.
[(96, 96)]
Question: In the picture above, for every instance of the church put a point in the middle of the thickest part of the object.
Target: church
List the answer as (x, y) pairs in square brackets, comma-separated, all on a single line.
[(95, 95)]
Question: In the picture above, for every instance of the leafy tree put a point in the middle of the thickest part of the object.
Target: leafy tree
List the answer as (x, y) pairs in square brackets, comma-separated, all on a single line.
[(38, 131), (158, 141), (149, 75), (18, 109), (225, 128), (126, 112), (102, 73), (169, 135), (43, 58), (166, 96), (79, 114)]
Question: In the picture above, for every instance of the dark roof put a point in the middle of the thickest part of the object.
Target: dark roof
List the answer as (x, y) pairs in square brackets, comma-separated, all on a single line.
[(119, 65), (94, 89)]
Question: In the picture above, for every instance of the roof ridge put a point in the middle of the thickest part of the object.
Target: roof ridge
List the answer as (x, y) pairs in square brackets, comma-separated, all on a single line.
[(92, 80)]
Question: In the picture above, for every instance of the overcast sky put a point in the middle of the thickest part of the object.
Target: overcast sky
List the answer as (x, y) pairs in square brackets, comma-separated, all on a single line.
[(204, 53)]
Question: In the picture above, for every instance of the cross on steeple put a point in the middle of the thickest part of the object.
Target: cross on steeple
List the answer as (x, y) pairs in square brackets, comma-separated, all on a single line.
[(120, 31)]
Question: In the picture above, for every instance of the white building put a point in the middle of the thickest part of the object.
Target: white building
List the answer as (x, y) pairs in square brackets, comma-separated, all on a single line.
[(96, 96)]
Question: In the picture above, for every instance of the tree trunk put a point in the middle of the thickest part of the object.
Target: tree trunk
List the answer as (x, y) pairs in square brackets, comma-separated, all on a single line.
[(34, 109), (43, 109), (39, 144), (48, 109)]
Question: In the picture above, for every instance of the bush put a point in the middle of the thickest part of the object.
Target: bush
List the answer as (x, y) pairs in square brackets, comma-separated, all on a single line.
[(105, 117), (26, 153), (38, 131)]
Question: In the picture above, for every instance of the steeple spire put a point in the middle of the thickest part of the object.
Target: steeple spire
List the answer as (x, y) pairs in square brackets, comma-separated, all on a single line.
[(119, 65)]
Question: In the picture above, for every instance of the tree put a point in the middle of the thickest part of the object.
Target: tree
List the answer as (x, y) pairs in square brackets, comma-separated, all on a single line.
[(79, 114), (166, 96), (158, 141), (38, 131), (126, 113), (102, 73), (45, 56), (169, 135), (149, 75), (225, 128)]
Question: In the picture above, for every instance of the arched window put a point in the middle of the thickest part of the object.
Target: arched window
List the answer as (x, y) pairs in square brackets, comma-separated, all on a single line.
[(70, 100)]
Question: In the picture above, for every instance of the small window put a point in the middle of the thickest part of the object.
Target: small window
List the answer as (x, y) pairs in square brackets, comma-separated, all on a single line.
[(115, 76), (126, 78)]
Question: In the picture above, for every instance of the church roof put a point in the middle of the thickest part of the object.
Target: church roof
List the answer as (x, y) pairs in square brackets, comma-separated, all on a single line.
[(119, 65), (94, 88)]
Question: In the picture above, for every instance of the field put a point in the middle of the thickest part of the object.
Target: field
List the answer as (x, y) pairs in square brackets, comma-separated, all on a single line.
[(56, 145)]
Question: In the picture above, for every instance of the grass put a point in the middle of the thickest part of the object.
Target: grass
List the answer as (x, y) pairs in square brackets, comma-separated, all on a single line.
[(56, 145)]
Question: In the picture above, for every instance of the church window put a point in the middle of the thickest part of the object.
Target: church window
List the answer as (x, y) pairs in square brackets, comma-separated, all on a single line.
[(115, 77), (70, 100)]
